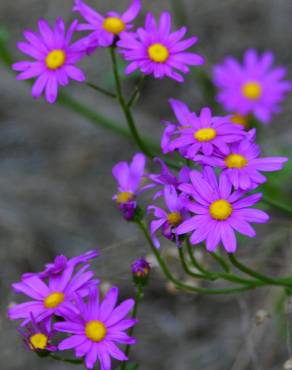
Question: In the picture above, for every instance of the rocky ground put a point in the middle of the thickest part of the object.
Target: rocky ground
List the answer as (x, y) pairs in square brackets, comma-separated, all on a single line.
[(56, 188)]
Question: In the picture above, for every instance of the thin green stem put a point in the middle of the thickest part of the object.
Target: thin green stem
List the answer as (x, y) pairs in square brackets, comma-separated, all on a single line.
[(136, 93), (67, 360), (276, 204), (127, 111), (178, 283), (266, 279), (138, 297), (101, 90), (186, 268), (221, 261), (217, 275), (194, 260)]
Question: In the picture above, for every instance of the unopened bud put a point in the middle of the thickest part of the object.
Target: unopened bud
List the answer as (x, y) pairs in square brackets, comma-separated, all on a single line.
[(141, 271)]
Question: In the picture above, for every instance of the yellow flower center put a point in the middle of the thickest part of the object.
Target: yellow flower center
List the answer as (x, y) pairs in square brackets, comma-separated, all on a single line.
[(95, 330), (38, 341), (235, 161), (205, 134), (114, 25), (124, 197), (252, 90), (55, 59), (220, 209), (158, 53), (240, 120), (174, 218), (54, 300)]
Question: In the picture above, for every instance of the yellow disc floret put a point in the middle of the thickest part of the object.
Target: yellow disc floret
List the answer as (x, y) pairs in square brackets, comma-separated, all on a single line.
[(235, 161), (252, 90), (174, 218), (54, 300), (124, 197), (38, 341), (55, 59), (220, 210), (158, 53), (95, 330), (114, 25), (240, 120), (205, 134)]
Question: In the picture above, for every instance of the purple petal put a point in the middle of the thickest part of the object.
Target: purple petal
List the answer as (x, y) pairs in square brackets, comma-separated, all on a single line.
[(39, 85), (75, 73), (120, 312), (247, 201), (253, 215), (228, 237), (132, 11), (91, 357), (108, 303), (69, 327), (51, 89), (115, 352), (72, 342)]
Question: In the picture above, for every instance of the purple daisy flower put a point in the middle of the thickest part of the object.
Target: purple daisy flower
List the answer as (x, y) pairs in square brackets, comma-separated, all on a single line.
[(158, 51), (168, 221), (202, 134), (166, 177), (61, 263), (55, 58), (252, 88), (97, 328), (129, 178), (54, 298), (104, 30), (218, 211), (243, 165), (37, 336)]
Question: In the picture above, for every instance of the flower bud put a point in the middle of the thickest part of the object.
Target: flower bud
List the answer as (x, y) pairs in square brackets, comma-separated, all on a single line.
[(141, 271)]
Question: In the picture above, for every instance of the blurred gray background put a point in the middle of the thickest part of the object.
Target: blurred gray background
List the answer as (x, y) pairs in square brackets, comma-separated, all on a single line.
[(56, 189)]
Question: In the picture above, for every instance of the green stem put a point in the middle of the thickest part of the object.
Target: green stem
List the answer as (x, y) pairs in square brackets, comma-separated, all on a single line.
[(186, 268), (221, 261), (266, 279), (276, 204), (67, 360), (101, 90), (127, 111), (179, 284), (217, 275), (134, 97), (139, 295), (194, 260)]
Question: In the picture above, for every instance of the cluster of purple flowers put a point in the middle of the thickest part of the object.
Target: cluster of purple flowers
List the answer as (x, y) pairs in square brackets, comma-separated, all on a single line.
[(153, 49), (65, 298), (210, 197)]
